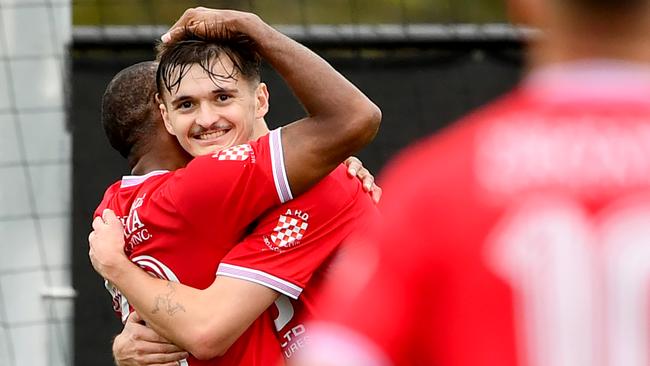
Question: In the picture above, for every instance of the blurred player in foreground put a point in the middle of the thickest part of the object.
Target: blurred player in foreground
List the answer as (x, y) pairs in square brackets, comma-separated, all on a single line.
[(522, 236), (180, 224)]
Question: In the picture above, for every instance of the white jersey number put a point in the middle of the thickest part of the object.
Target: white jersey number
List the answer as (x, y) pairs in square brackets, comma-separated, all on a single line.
[(581, 283)]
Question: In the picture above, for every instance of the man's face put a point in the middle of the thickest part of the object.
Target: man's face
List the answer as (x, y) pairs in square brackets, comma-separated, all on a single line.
[(206, 116)]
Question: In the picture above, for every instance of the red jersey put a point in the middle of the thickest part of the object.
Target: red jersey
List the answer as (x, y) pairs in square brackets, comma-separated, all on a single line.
[(178, 225), (292, 247), (516, 237)]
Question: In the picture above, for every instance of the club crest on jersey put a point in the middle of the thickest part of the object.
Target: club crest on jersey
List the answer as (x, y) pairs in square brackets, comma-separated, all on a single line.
[(235, 153), (289, 231)]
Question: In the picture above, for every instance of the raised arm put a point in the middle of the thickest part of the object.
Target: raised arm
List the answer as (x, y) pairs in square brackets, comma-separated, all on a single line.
[(341, 119)]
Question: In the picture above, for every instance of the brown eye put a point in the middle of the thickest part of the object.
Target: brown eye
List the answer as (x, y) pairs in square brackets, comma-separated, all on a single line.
[(186, 105)]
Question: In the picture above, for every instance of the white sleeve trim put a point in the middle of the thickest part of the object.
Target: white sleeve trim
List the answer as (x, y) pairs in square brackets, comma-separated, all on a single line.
[(260, 277), (125, 308), (352, 348), (277, 164)]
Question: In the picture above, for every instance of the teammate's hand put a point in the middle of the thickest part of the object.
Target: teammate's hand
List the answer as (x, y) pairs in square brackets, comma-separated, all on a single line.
[(212, 23), (107, 244), (138, 345), (356, 169)]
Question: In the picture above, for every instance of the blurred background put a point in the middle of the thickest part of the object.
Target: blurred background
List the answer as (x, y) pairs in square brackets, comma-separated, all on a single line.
[(424, 62)]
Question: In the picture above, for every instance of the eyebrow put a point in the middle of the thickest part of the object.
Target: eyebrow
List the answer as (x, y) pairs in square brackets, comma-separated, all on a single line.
[(182, 98), (225, 90)]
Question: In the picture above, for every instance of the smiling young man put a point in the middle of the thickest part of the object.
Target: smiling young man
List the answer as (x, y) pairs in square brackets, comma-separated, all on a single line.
[(179, 225), (203, 104)]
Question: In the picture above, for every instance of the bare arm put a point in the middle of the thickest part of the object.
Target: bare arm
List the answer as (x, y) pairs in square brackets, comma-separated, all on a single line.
[(341, 119), (203, 322)]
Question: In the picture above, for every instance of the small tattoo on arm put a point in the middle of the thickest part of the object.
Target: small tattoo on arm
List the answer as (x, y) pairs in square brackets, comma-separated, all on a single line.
[(166, 303)]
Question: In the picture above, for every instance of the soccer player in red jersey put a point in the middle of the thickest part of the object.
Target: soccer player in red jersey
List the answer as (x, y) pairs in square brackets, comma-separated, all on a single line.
[(179, 225), (525, 239)]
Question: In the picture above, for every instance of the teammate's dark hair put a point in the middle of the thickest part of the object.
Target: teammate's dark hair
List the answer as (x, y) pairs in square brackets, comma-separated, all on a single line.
[(176, 58), (129, 111)]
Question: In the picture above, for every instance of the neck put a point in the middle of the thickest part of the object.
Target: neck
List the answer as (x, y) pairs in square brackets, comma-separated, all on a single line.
[(623, 39), (160, 159), (260, 129)]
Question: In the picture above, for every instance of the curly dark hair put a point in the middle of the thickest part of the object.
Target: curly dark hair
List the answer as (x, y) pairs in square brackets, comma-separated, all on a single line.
[(129, 112), (175, 59)]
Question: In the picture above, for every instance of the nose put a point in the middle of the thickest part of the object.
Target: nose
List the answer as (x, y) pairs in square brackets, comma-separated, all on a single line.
[(207, 115)]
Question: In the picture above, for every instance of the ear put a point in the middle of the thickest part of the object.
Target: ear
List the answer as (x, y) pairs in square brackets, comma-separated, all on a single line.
[(262, 101), (164, 114), (528, 13)]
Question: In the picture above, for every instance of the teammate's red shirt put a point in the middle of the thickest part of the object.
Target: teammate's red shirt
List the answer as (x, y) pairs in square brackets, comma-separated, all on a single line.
[(292, 247), (517, 237), (178, 225)]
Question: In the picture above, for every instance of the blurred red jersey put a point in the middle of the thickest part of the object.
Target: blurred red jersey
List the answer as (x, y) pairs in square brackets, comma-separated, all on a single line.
[(179, 225), (292, 247), (519, 236)]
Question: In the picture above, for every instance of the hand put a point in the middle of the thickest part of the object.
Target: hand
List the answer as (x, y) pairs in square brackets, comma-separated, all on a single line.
[(211, 23), (107, 244), (356, 169), (139, 345)]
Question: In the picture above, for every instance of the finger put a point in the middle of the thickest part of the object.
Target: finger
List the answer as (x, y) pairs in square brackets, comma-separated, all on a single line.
[(376, 193), (175, 363), (367, 179), (134, 317), (109, 216), (174, 34), (144, 333), (171, 352), (193, 20), (174, 352), (156, 350), (354, 165), (184, 20), (91, 237), (98, 223)]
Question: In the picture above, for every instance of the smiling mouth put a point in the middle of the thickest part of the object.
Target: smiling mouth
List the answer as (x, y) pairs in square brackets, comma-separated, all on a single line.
[(211, 135)]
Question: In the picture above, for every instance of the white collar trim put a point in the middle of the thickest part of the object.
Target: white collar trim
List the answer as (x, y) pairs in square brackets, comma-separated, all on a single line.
[(134, 180)]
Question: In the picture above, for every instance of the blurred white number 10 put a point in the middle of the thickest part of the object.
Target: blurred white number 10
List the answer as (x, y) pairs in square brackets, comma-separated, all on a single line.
[(581, 282)]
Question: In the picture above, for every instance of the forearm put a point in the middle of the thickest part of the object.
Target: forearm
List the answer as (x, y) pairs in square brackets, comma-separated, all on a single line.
[(204, 322), (320, 88), (157, 301), (341, 119), (176, 312)]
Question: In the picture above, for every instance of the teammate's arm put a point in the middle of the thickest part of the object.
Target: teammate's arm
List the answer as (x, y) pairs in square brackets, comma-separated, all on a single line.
[(341, 119)]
